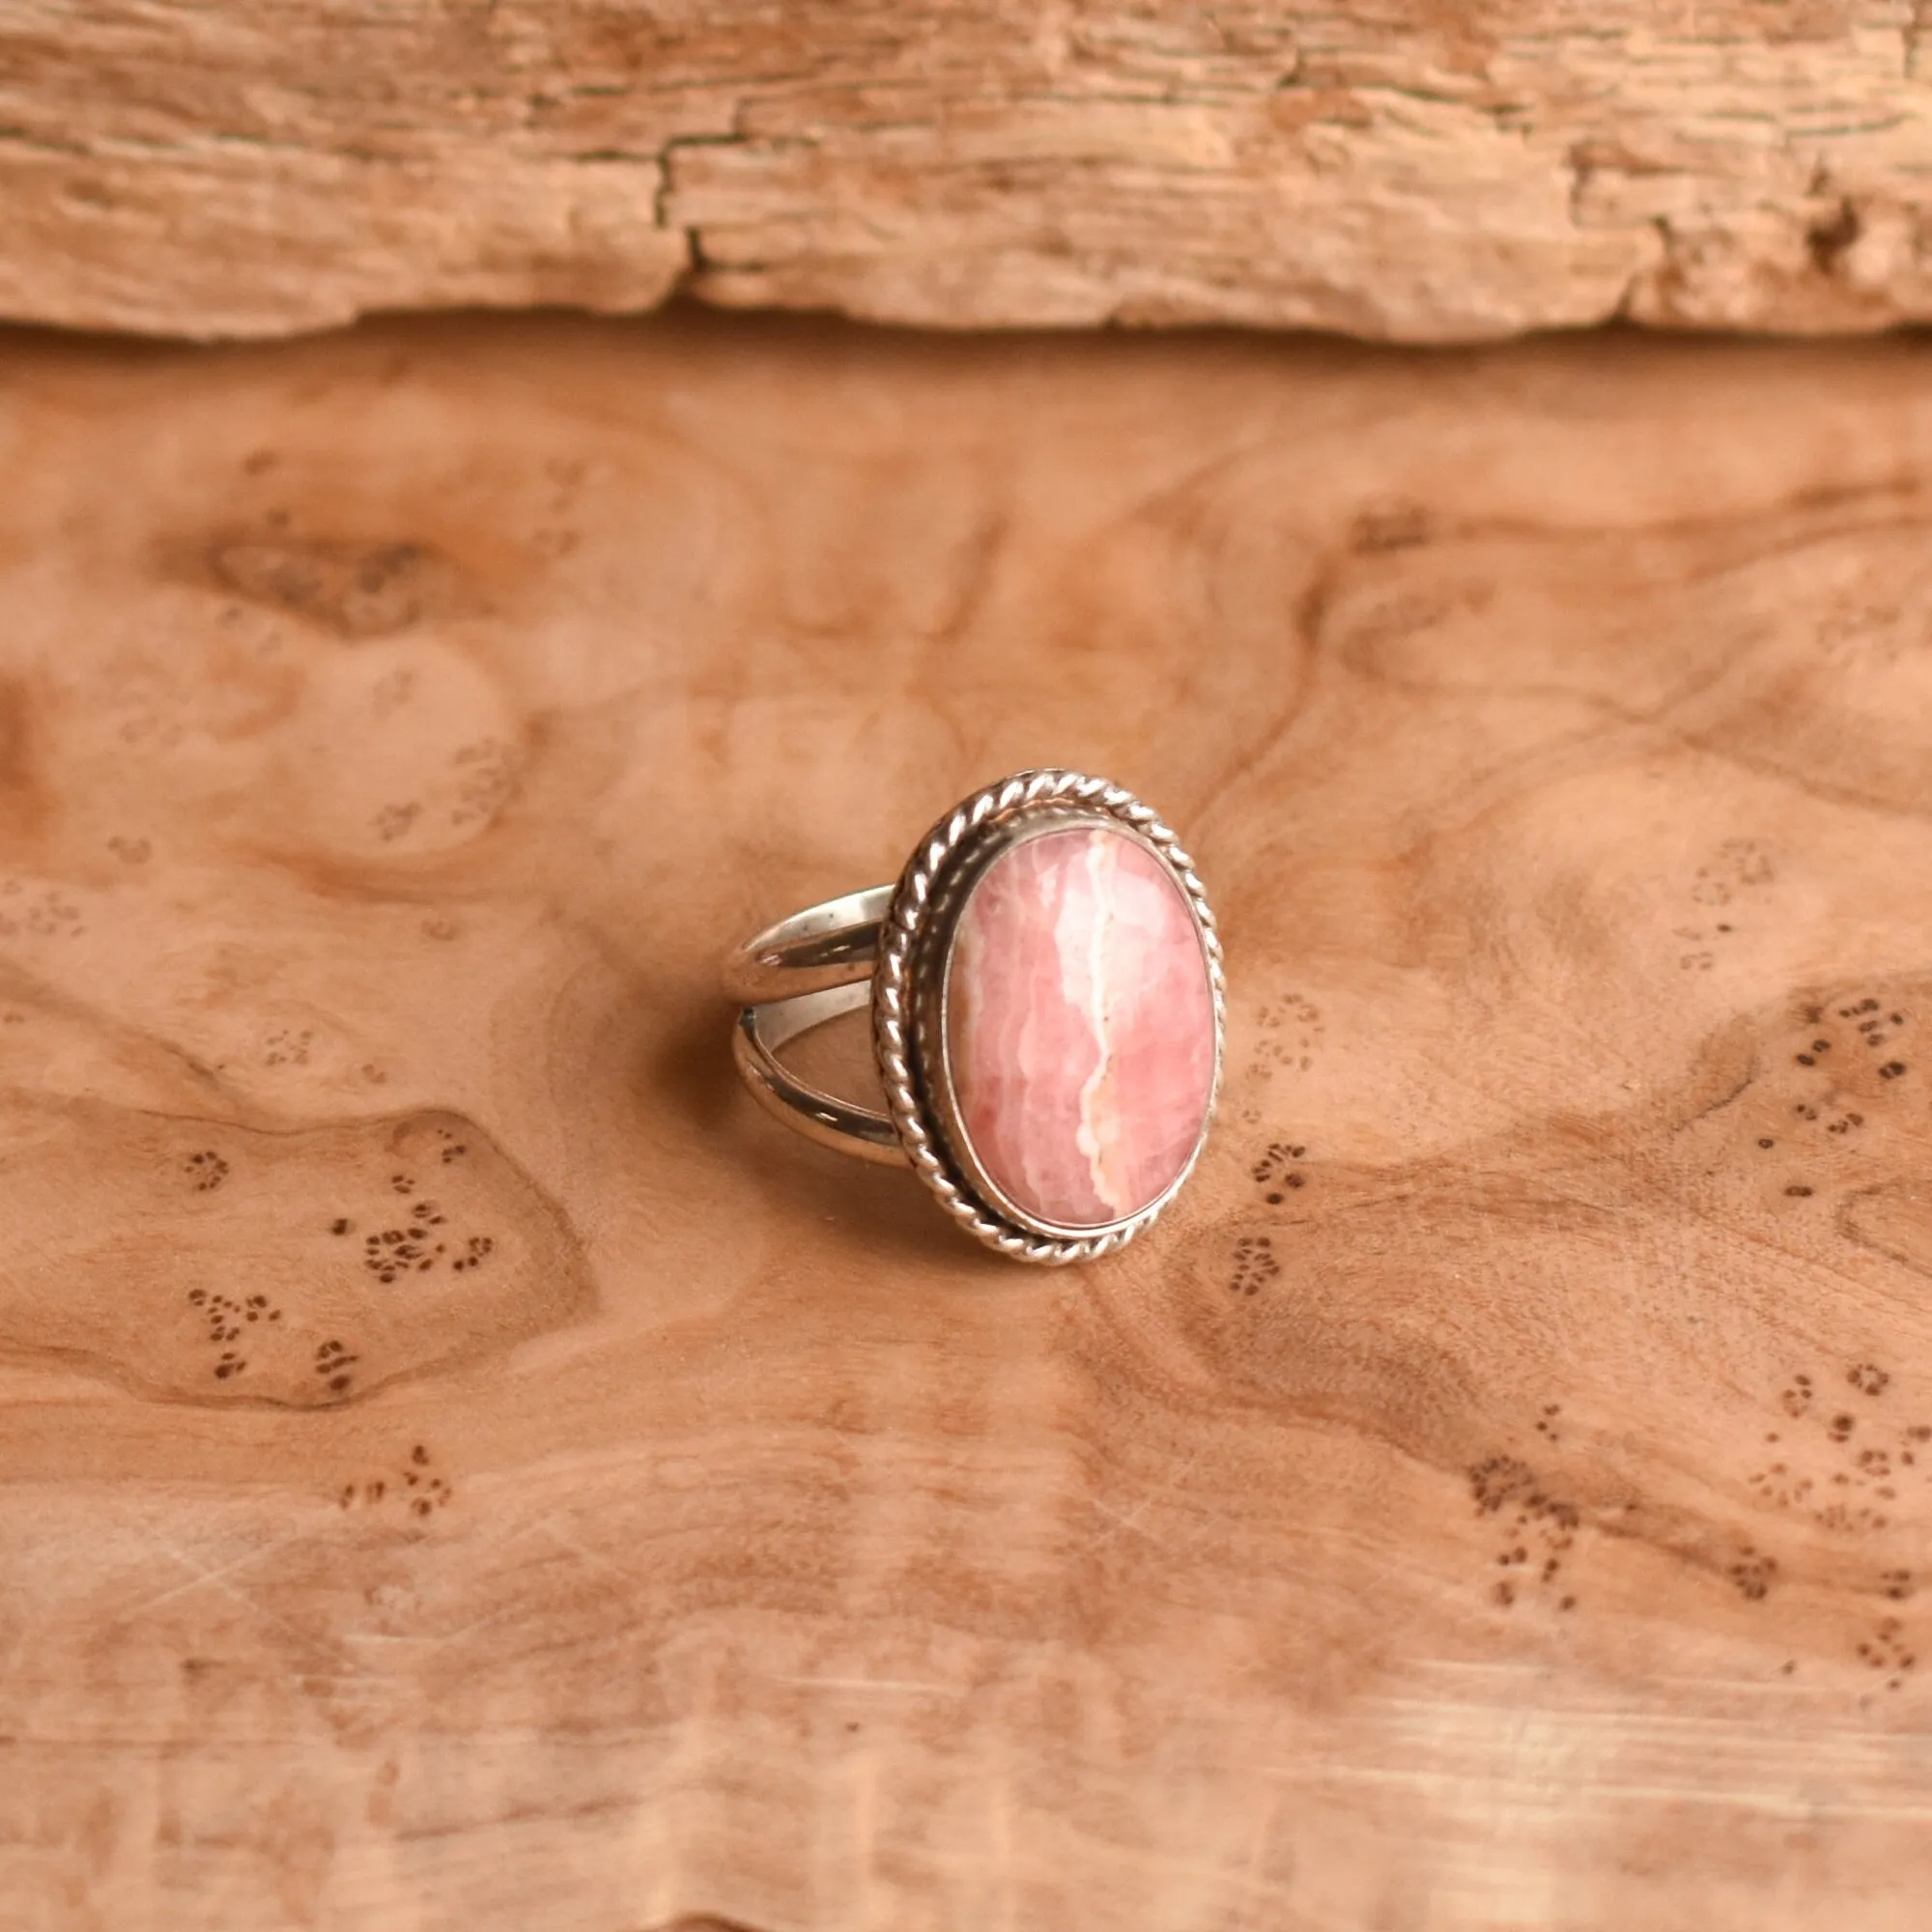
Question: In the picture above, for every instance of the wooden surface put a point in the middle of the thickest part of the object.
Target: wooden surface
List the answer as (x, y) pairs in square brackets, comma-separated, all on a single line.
[(462, 1465), (1420, 173)]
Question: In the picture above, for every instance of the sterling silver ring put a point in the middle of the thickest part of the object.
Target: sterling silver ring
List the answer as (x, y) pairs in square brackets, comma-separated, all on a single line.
[(1047, 1004)]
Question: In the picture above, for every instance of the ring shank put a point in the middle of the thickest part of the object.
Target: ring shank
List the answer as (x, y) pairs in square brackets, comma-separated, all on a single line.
[(802, 973), (828, 945)]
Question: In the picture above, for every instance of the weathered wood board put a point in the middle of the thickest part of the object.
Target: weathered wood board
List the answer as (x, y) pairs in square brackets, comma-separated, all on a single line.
[(461, 1465), (211, 167)]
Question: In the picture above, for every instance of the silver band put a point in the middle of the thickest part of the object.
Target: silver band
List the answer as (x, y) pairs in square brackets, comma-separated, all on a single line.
[(806, 970), (821, 1116), (828, 945)]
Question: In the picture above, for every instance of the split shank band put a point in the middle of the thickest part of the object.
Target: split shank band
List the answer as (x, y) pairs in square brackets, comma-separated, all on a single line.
[(797, 975)]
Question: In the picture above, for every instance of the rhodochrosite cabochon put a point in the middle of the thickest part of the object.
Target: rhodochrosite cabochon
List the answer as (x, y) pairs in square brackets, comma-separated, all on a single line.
[(1080, 1026)]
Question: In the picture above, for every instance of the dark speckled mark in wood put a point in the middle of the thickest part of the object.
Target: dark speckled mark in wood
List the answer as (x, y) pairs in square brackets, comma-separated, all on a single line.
[(1538, 1529), (1752, 1573), (245, 1288), (1277, 1172), (1255, 1264), (354, 588), (1886, 1651), (206, 1170), (1849, 1476), (416, 1488)]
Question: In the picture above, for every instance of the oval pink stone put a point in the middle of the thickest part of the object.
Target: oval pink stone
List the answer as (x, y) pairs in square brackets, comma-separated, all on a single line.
[(1079, 1027)]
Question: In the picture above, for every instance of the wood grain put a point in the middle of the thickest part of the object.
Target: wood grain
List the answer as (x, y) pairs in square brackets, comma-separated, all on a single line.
[(1420, 173), (460, 1464)]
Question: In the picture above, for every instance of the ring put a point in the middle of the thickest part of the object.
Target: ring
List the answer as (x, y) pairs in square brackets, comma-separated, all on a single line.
[(1047, 1004)]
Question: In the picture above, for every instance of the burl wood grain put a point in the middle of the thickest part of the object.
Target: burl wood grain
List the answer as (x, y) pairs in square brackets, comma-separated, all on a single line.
[(461, 1464), (1439, 172)]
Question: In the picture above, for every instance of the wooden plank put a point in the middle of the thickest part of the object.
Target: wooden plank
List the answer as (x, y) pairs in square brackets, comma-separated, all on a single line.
[(1423, 173), (1499, 1496)]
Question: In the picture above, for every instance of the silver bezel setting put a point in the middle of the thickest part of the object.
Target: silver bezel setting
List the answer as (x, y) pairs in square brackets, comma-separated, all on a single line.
[(908, 987)]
